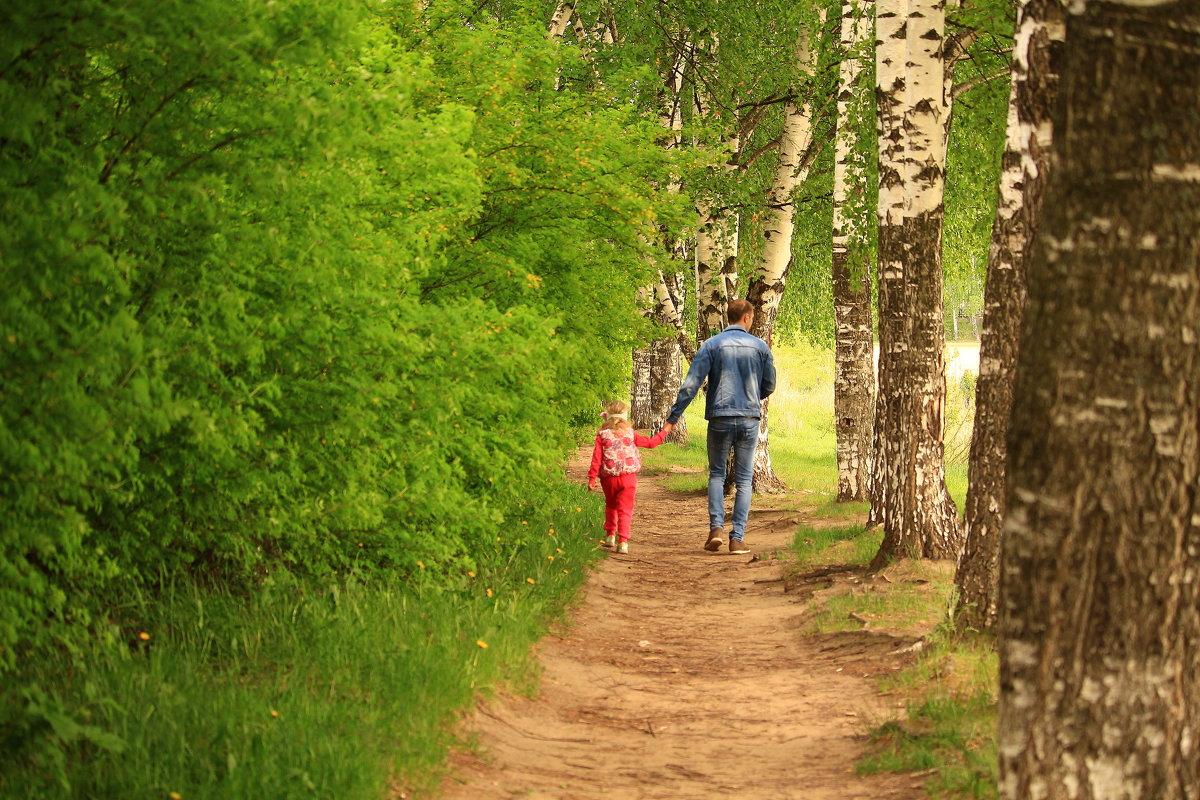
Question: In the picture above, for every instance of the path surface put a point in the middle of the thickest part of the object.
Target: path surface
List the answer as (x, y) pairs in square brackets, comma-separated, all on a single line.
[(685, 675)]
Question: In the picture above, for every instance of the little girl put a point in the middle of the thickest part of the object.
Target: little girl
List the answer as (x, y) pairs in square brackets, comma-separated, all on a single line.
[(615, 459)]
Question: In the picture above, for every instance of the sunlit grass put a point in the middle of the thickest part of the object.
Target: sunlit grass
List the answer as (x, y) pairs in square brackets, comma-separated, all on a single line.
[(834, 545), (299, 690)]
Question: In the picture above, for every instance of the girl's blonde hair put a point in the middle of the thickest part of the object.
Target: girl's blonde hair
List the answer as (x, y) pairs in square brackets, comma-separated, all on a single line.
[(611, 422)]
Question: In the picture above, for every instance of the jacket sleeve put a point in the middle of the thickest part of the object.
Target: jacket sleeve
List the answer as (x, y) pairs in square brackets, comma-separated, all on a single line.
[(697, 372), (597, 458), (767, 384), (649, 442)]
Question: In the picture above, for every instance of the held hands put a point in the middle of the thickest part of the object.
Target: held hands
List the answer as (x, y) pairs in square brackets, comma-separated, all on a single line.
[(668, 427)]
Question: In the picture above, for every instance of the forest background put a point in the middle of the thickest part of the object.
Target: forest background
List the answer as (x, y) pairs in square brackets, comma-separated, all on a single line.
[(305, 304)]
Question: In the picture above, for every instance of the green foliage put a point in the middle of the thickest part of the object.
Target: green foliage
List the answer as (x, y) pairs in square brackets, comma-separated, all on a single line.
[(334, 689), (294, 290)]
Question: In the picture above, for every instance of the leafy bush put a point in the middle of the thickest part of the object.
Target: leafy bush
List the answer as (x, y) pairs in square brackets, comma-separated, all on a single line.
[(292, 289)]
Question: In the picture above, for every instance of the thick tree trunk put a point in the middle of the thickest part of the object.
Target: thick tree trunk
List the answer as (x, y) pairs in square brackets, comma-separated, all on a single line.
[(890, 57), (665, 376), (1100, 576), (854, 367), (1039, 35), (909, 487)]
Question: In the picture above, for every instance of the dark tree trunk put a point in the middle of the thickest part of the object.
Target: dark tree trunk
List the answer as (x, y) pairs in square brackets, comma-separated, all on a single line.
[(1039, 33), (1100, 577)]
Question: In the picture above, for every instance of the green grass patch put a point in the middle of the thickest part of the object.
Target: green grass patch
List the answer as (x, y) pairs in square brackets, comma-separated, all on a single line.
[(313, 690), (950, 717), (952, 736), (908, 597), (837, 545)]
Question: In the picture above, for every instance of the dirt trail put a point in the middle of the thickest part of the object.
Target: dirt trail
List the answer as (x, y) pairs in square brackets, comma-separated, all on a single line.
[(684, 675)]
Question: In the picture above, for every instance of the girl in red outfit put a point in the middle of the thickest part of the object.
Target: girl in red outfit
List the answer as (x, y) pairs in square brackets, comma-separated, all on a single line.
[(615, 460)]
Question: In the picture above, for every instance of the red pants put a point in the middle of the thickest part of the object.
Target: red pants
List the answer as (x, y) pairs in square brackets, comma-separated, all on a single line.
[(619, 492)]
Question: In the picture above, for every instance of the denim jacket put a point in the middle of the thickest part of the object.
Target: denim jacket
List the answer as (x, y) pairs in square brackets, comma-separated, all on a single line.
[(740, 373)]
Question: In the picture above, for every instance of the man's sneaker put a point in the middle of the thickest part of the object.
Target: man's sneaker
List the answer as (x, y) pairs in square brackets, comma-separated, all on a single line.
[(610, 540), (716, 538), (736, 546), (623, 548)]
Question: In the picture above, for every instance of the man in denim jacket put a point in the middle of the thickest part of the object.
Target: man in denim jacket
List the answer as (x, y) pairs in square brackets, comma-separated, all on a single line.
[(741, 374)]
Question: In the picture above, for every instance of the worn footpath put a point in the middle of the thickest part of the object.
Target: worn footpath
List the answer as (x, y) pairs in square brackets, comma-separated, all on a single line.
[(685, 674)]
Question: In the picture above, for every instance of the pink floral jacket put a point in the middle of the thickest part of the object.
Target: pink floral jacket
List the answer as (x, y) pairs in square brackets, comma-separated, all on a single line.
[(617, 454)]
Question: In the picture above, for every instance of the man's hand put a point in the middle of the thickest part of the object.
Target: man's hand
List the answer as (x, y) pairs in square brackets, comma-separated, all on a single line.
[(668, 427)]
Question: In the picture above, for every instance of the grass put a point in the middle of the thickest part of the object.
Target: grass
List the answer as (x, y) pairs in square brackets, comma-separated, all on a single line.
[(949, 725), (835, 545), (951, 737), (333, 690)]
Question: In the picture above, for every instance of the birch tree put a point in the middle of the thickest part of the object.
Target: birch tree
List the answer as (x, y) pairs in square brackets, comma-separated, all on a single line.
[(658, 373), (909, 496), (560, 20), (716, 234), (1039, 35), (766, 290), (854, 367), (1100, 608)]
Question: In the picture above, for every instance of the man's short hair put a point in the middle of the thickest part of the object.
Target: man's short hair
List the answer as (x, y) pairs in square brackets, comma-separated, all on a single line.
[(738, 309)]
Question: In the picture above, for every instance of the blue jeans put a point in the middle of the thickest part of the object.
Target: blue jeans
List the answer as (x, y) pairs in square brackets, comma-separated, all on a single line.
[(739, 434)]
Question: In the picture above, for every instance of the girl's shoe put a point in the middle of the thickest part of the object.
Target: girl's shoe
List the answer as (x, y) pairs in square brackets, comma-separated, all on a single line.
[(623, 548), (610, 540)]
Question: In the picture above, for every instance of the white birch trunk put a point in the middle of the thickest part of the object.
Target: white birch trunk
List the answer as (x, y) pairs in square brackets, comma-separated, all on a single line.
[(854, 367), (561, 19), (766, 292), (716, 240), (909, 492), (660, 363)]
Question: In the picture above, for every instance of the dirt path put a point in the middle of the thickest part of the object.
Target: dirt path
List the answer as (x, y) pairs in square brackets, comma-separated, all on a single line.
[(684, 675)]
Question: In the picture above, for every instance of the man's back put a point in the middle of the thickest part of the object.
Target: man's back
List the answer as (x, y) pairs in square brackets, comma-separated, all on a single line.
[(740, 373)]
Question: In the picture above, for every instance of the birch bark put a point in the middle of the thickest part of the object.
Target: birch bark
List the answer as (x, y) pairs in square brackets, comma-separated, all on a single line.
[(854, 366), (658, 371), (716, 263), (1100, 600), (909, 494), (560, 20), (1038, 43), (766, 290)]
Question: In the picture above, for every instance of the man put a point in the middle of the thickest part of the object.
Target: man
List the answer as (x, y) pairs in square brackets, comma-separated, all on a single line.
[(741, 374)]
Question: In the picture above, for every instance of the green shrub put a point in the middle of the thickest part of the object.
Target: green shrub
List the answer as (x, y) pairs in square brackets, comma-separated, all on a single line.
[(286, 293)]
